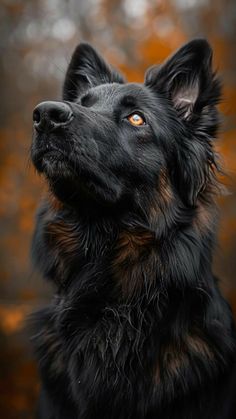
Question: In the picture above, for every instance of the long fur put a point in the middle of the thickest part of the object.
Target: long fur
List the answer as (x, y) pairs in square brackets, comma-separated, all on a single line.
[(138, 328)]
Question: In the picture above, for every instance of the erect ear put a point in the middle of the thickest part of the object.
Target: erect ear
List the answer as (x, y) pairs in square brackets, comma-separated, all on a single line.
[(86, 69), (186, 78)]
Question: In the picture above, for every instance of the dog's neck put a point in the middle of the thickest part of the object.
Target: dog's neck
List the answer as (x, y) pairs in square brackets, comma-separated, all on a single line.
[(164, 252), (125, 274)]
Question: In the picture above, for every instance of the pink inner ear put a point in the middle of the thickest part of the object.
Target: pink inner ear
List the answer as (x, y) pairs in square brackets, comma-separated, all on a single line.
[(184, 98)]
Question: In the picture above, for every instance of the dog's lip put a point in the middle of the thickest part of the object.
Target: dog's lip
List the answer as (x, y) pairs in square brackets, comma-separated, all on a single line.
[(40, 157), (48, 151)]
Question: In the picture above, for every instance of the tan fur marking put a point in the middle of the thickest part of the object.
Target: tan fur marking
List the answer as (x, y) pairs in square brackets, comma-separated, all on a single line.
[(133, 259), (157, 375), (173, 358), (54, 202), (131, 245), (165, 188), (63, 236), (162, 198), (204, 218), (198, 346)]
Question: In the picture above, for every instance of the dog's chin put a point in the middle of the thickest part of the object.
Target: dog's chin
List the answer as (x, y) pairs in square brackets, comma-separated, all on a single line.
[(52, 164), (75, 186), (57, 169), (82, 194)]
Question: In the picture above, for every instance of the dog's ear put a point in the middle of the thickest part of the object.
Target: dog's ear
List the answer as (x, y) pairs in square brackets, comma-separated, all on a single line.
[(186, 78), (86, 69)]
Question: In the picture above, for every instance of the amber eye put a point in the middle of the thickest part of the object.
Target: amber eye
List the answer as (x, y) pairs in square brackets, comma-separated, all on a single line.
[(136, 119)]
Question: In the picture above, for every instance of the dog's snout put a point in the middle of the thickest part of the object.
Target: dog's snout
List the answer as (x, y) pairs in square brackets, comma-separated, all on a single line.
[(51, 114)]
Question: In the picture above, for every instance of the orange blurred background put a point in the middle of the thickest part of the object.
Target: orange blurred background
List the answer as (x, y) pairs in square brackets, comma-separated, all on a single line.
[(37, 39)]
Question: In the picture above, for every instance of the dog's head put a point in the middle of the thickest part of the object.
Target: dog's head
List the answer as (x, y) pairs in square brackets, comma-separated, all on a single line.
[(118, 144)]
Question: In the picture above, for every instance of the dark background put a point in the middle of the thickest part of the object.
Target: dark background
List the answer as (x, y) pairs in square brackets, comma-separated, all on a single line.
[(37, 38)]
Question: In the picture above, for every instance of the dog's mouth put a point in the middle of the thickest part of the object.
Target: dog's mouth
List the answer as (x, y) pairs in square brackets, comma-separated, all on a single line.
[(73, 169), (57, 165), (49, 159), (58, 153)]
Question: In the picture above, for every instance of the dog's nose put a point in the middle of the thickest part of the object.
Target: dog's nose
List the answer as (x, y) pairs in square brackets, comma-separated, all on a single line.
[(50, 115)]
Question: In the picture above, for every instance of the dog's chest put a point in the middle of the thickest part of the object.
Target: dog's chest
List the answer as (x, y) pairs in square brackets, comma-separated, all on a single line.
[(107, 359)]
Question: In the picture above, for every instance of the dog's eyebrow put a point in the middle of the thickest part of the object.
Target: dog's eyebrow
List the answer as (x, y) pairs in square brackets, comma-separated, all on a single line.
[(88, 99), (129, 101)]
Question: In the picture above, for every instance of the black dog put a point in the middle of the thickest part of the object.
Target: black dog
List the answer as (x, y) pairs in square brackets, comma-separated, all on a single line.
[(138, 328)]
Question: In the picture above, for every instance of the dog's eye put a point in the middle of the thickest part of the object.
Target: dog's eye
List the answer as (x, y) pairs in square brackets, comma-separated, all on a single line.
[(136, 119)]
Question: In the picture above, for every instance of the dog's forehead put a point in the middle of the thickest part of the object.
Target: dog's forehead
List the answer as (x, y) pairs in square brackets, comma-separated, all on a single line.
[(114, 94)]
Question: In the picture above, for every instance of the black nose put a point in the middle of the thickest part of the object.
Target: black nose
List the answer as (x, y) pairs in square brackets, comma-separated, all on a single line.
[(50, 115)]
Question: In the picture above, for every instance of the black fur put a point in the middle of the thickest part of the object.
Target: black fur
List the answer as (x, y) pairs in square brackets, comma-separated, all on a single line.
[(138, 328)]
